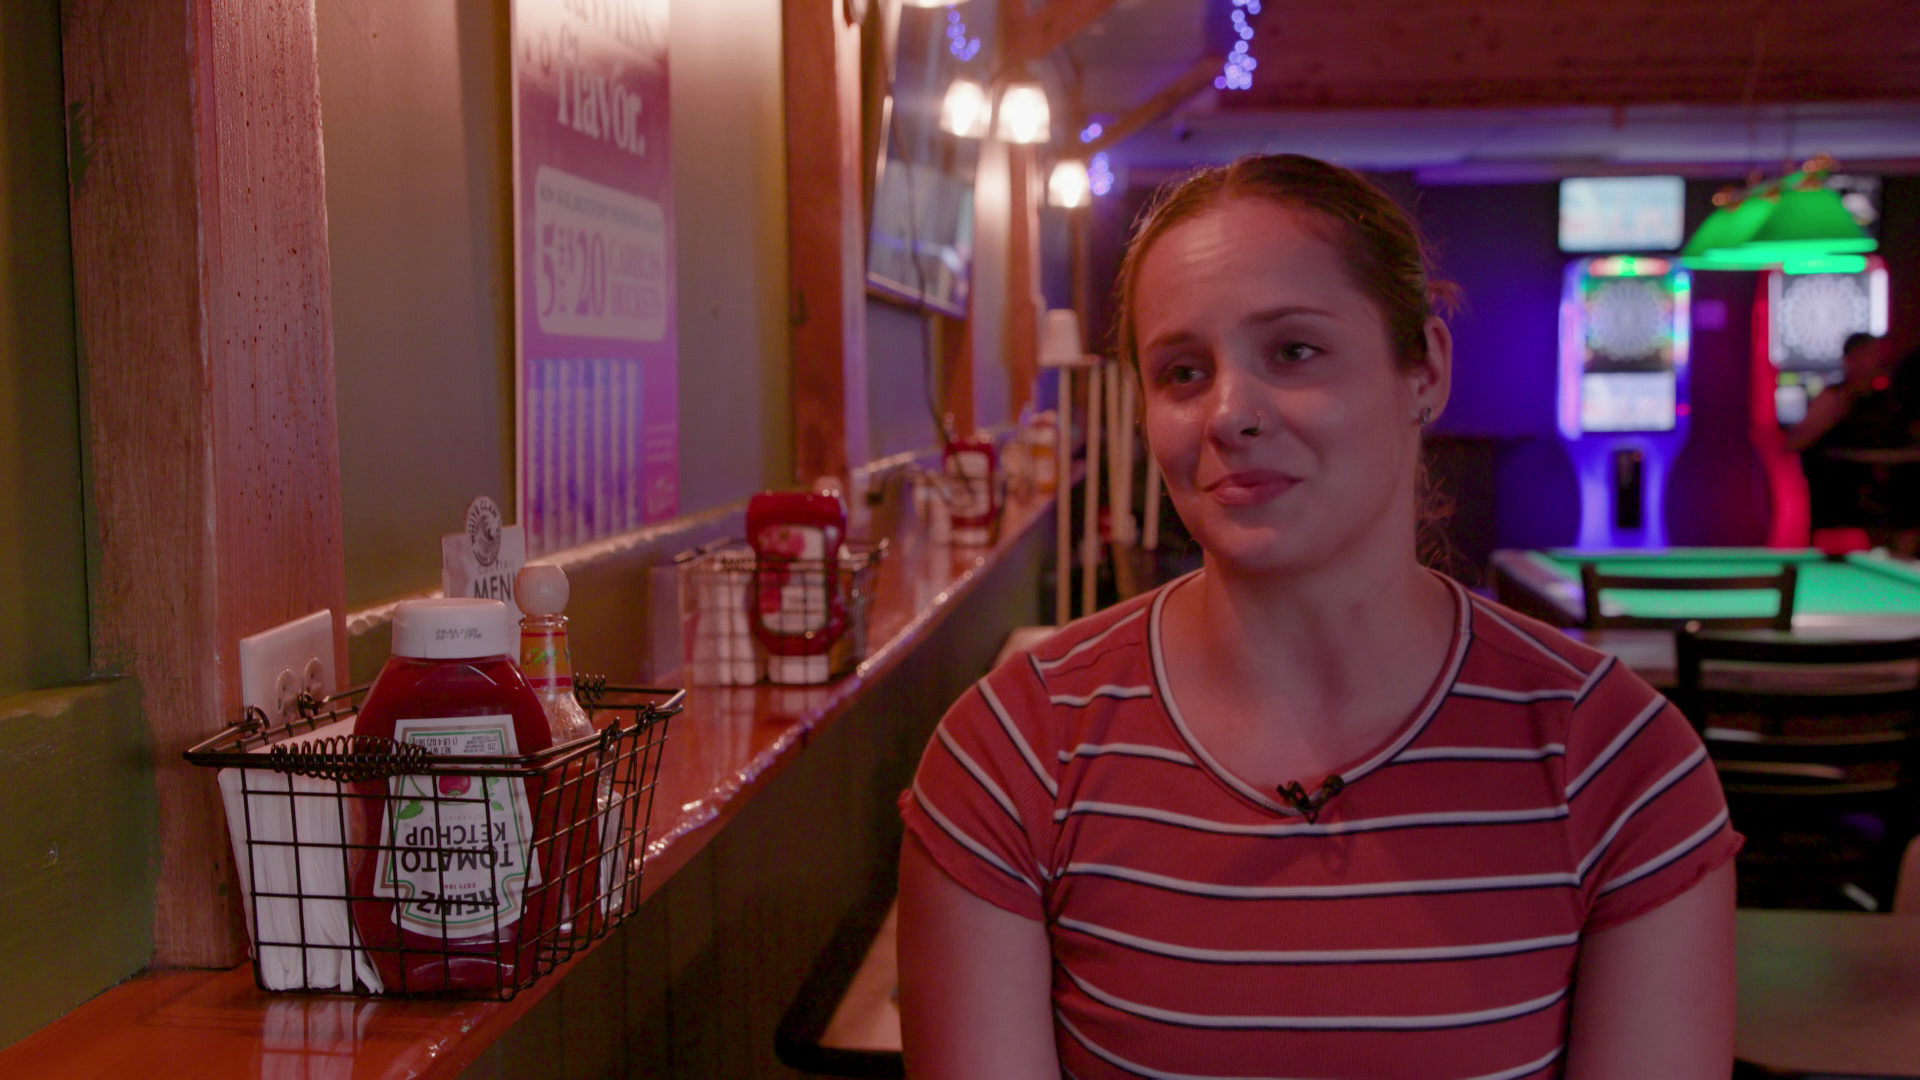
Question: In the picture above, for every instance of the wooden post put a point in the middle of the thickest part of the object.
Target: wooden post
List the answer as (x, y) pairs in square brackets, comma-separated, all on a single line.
[(956, 369), (1023, 277), (826, 231), (202, 297)]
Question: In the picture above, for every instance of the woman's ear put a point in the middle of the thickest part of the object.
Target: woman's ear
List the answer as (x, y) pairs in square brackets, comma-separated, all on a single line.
[(1431, 380)]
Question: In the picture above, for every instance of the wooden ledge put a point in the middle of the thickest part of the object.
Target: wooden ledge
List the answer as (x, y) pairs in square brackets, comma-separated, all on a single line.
[(727, 745)]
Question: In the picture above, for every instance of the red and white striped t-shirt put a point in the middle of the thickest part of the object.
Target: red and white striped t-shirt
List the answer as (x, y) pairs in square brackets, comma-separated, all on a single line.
[(1426, 926)]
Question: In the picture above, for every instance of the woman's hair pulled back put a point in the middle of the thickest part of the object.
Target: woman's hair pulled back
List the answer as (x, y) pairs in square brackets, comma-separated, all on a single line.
[(1386, 257)]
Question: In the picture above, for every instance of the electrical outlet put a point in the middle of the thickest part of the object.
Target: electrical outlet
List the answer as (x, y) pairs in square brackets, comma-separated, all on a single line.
[(277, 664)]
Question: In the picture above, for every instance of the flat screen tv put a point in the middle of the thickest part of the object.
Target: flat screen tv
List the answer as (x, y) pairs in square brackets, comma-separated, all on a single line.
[(920, 242), (1622, 213)]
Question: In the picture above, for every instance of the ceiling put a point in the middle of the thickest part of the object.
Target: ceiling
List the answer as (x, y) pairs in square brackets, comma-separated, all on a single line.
[(1473, 90)]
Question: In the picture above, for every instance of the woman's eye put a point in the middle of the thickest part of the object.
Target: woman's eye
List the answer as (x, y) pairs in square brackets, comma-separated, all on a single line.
[(1293, 352), (1179, 374)]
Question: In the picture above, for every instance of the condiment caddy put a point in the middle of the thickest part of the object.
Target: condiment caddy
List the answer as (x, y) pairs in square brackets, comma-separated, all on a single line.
[(438, 844)]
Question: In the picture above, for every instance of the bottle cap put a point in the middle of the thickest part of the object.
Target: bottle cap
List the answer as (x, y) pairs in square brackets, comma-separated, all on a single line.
[(541, 589), (454, 628)]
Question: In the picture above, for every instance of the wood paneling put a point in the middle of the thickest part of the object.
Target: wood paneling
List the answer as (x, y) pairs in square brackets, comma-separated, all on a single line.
[(826, 230), (200, 265), (1450, 53)]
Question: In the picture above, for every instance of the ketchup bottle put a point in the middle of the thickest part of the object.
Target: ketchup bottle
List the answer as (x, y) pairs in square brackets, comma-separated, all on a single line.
[(798, 607), (972, 469), (447, 883)]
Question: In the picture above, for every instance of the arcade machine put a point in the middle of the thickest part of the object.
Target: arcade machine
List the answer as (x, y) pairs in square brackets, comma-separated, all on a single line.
[(1623, 392), (1802, 316)]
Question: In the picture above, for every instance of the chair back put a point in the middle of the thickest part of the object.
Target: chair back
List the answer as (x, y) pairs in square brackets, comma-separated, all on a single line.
[(1810, 739), (1594, 581)]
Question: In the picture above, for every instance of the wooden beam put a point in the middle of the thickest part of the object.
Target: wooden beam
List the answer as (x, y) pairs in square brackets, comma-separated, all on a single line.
[(202, 298), (1024, 303), (1052, 26), (956, 369), (826, 231), (1199, 76)]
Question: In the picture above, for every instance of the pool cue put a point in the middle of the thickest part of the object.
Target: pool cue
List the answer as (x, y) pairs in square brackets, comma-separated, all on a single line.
[(1090, 542), (1063, 503), (1123, 476)]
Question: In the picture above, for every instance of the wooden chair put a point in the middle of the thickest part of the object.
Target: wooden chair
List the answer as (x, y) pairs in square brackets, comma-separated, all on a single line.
[(1593, 581), (1815, 743)]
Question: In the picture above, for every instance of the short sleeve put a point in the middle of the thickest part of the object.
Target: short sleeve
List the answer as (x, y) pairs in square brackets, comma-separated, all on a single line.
[(982, 800), (1647, 815)]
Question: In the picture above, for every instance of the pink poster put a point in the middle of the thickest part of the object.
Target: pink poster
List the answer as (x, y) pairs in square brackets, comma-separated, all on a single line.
[(593, 222)]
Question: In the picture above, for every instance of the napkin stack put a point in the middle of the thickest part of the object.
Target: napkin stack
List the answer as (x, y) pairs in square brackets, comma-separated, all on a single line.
[(295, 890), (720, 650)]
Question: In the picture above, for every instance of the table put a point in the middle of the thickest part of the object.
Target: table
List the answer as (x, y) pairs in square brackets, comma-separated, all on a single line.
[(1829, 993), (1874, 592)]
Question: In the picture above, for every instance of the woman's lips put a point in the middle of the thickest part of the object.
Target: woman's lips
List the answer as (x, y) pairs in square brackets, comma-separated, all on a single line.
[(1251, 487)]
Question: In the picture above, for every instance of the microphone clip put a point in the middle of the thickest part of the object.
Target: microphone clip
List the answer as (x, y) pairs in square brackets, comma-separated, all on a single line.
[(1308, 805)]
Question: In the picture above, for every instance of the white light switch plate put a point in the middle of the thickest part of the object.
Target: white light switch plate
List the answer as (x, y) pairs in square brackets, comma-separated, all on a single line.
[(277, 664)]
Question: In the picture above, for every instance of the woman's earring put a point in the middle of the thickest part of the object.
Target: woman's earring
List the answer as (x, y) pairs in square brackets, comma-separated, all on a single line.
[(1426, 416)]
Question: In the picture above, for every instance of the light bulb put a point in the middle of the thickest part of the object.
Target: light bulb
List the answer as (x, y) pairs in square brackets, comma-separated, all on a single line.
[(1024, 116), (1068, 185), (965, 110)]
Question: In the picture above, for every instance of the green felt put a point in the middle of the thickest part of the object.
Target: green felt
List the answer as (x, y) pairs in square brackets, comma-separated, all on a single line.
[(1862, 584)]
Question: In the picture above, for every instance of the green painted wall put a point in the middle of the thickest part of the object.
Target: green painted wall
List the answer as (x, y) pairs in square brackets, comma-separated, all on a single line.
[(43, 568), (418, 156), (79, 828), (79, 848)]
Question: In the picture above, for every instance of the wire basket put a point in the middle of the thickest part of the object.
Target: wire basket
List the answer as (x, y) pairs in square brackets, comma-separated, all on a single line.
[(527, 858), (791, 621)]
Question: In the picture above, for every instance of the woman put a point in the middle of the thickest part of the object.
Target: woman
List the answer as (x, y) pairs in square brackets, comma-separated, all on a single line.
[(1313, 810)]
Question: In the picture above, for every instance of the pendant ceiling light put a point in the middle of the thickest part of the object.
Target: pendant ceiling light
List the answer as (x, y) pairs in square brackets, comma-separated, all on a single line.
[(1810, 219), (1737, 216), (1068, 186), (1024, 115), (966, 110), (1792, 219)]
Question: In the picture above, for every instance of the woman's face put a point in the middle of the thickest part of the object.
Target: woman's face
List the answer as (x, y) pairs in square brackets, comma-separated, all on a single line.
[(1287, 430)]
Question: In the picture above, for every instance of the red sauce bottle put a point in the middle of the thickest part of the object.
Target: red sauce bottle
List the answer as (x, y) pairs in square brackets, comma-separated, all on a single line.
[(972, 467), (448, 889), (798, 607)]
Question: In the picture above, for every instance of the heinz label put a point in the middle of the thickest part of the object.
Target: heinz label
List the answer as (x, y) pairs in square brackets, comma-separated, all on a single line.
[(455, 848)]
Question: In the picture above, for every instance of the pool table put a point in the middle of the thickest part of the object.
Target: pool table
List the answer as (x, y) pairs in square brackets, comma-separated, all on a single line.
[(1869, 590)]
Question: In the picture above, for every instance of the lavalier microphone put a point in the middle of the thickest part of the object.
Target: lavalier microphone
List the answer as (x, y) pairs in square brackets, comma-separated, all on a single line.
[(1309, 805)]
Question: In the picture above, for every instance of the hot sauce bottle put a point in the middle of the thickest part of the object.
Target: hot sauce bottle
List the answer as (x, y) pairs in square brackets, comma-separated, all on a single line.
[(798, 607), (545, 658), (444, 863), (585, 785)]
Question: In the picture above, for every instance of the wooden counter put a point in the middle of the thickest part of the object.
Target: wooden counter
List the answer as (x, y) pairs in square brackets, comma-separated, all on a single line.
[(727, 747)]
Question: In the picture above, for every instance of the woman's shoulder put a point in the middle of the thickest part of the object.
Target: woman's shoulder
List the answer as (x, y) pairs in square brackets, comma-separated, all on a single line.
[(1042, 689), (1117, 634), (1527, 653), (1592, 699)]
